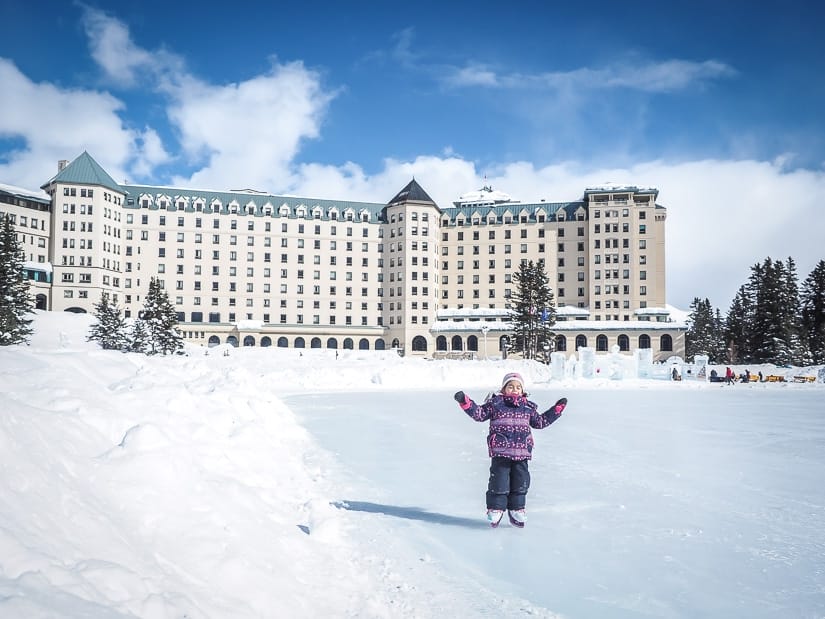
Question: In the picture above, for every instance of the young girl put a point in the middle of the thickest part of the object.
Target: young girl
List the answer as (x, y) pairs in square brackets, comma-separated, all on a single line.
[(510, 444)]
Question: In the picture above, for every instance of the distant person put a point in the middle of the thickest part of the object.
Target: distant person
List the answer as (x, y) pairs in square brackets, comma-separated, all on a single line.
[(746, 376), (674, 374), (761, 378), (713, 375), (728, 376), (510, 444)]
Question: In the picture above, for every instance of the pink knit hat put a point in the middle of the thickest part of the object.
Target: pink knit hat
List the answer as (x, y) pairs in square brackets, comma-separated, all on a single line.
[(512, 376)]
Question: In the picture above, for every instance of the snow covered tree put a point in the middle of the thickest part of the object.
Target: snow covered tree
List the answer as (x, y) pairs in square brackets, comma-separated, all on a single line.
[(110, 329), (768, 324), (763, 325), (794, 335), (812, 304), (738, 327), (15, 302), (139, 337), (161, 321), (704, 334), (534, 312)]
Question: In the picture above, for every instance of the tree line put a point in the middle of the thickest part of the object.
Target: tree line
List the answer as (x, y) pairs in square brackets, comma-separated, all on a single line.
[(771, 319)]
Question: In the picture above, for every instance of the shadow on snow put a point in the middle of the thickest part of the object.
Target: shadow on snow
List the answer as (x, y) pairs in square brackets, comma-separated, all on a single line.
[(410, 513)]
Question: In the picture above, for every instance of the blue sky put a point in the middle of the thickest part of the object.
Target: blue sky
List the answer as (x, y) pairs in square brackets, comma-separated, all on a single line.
[(718, 104)]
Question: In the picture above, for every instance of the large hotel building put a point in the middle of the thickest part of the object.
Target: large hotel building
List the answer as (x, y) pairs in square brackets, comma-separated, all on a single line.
[(254, 269)]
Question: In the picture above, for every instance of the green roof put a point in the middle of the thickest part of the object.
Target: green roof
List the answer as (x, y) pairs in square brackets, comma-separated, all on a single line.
[(85, 171)]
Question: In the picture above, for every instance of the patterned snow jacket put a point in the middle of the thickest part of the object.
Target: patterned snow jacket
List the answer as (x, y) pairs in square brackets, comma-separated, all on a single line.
[(511, 418)]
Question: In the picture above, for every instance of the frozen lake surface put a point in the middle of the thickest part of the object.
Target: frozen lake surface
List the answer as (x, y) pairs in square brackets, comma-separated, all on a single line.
[(645, 502)]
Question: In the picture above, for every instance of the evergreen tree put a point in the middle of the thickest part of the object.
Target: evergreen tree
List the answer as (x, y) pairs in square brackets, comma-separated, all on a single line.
[(737, 327), (534, 313), (160, 321), (768, 323), (764, 324), (15, 302), (703, 336), (139, 337), (796, 342), (719, 346), (110, 328), (812, 304)]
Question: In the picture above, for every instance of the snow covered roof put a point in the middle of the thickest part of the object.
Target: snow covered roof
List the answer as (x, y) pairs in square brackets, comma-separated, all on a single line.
[(253, 325), (46, 267), (571, 311), (485, 195), (24, 193), (619, 187)]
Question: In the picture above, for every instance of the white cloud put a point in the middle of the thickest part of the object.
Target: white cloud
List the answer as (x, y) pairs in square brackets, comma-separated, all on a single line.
[(663, 76), (151, 153), (249, 131), (55, 123), (112, 48)]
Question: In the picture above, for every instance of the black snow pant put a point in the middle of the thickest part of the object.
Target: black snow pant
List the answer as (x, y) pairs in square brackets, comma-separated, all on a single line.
[(508, 485)]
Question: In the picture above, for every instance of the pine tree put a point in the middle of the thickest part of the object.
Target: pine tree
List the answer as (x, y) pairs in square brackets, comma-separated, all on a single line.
[(796, 342), (160, 321), (139, 337), (737, 327), (110, 328), (703, 336), (534, 312), (769, 345), (812, 305), (15, 302), (719, 346)]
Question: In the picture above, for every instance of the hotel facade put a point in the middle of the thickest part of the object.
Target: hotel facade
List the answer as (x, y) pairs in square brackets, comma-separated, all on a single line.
[(254, 269)]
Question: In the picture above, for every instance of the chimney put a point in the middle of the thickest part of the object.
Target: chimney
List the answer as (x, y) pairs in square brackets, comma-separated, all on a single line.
[(61, 165)]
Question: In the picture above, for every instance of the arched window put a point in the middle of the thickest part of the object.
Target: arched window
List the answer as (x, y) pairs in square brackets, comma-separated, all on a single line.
[(644, 341), (232, 340), (561, 343), (283, 342), (348, 343), (332, 343), (214, 340), (624, 343), (456, 343), (601, 343), (266, 341), (315, 342), (472, 343), (379, 345), (441, 343), (363, 344), (249, 341), (419, 344), (581, 341), (40, 302), (666, 343), (396, 343), (299, 342)]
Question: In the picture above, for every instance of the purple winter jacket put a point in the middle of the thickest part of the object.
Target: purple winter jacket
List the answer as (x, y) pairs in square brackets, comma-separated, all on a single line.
[(511, 418)]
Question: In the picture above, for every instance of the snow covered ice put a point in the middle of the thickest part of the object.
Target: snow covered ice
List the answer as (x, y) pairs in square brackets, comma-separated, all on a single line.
[(273, 482)]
